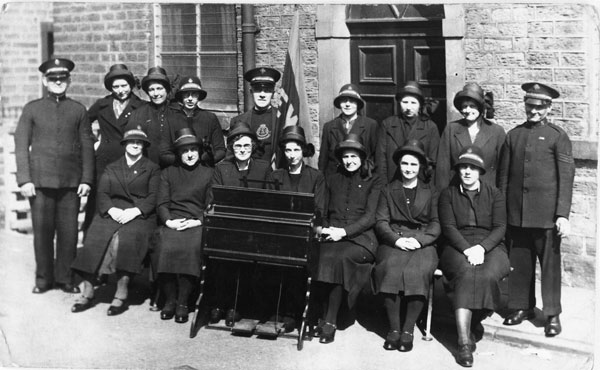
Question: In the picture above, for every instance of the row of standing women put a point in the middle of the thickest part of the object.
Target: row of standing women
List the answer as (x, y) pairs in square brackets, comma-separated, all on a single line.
[(359, 210)]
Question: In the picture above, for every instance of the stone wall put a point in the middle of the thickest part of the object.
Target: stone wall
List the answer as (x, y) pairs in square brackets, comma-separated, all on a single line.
[(509, 44)]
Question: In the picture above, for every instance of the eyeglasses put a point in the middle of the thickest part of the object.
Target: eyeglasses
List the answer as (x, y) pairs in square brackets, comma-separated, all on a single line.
[(238, 147)]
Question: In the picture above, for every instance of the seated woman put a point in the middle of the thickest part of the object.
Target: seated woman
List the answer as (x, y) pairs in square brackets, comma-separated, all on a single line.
[(473, 257), (407, 226), (349, 244), (183, 195), (297, 177), (118, 238), (244, 171)]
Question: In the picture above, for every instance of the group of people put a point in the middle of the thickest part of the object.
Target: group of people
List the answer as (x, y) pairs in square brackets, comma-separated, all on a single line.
[(394, 200)]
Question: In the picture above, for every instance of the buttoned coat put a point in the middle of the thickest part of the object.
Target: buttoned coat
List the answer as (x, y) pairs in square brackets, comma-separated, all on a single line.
[(115, 189), (394, 132), (455, 137), (110, 129), (270, 144), (54, 144), (334, 132), (227, 173), (351, 204), (536, 175)]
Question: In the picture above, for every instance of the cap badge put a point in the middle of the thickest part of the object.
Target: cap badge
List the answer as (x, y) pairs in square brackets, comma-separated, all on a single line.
[(56, 61), (190, 80), (262, 70)]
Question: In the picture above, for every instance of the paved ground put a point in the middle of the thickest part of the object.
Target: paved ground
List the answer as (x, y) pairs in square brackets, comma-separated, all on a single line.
[(39, 331)]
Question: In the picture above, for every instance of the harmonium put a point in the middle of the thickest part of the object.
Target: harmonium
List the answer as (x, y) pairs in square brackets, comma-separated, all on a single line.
[(259, 226)]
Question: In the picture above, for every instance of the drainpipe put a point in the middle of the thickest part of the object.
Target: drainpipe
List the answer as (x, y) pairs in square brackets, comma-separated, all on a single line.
[(248, 49)]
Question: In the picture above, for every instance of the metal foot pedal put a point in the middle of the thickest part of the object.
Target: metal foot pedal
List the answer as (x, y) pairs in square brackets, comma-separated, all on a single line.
[(244, 326), (269, 329)]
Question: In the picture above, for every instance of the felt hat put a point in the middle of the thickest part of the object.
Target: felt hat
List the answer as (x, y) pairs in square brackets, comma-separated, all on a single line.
[(411, 146), (470, 91), (411, 88), (185, 136), (240, 128), (118, 71), (351, 141), (349, 91), (135, 134), (472, 155), (293, 132), (156, 74)]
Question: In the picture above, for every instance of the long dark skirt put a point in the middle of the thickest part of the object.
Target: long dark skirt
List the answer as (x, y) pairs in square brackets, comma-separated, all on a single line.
[(179, 251), (344, 263), (408, 272), (134, 239), (474, 287)]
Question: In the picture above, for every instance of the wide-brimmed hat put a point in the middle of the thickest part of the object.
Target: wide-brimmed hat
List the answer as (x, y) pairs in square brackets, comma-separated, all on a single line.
[(411, 146), (349, 91), (156, 74), (472, 155), (240, 128), (118, 71), (538, 94), (185, 137), (135, 134), (295, 133), (262, 76), (351, 141), (57, 66), (411, 88), (190, 84), (470, 91)]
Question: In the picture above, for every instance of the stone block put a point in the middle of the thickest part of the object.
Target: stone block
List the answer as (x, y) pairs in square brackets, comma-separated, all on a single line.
[(500, 74), (497, 44), (518, 29), (477, 15), (573, 244), (583, 225), (472, 45), (572, 59), (572, 92), (573, 128), (540, 28), (510, 59), (477, 74), (590, 246), (557, 43), (585, 186), (568, 27), (577, 110), (479, 60), (500, 14), (579, 271), (542, 59), (557, 12), (513, 91)]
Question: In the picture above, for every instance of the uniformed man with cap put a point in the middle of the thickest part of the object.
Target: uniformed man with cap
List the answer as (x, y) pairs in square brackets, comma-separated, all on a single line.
[(262, 118), (536, 173), (55, 167)]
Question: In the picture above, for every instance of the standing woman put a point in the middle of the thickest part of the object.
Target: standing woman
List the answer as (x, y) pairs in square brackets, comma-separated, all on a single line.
[(183, 195), (473, 257), (411, 123), (472, 129), (349, 121), (117, 240), (349, 243), (407, 226)]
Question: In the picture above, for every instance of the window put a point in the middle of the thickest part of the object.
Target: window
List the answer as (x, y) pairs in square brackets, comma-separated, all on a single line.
[(200, 40)]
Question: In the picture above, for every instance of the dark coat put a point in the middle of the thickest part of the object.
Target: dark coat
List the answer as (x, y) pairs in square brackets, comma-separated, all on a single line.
[(334, 132), (54, 144), (267, 135), (394, 132), (351, 204), (311, 181), (227, 173), (153, 120), (110, 129), (116, 189), (536, 175), (455, 137), (206, 126)]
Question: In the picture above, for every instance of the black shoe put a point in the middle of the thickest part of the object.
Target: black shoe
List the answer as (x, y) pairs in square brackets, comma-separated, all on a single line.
[(69, 288), (391, 340), (117, 310), (328, 333), (232, 317), (216, 314), (85, 303), (318, 329), (464, 357), (181, 314), (518, 317), (40, 290), (477, 331), (168, 311), (553, 327), (406, 342)]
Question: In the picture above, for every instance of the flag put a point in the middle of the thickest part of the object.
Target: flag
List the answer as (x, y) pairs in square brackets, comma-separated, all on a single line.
[(293, 107)]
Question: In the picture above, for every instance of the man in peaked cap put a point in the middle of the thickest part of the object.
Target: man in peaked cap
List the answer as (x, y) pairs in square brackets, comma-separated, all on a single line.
[(536, 173), (55, 167), (262, 118)]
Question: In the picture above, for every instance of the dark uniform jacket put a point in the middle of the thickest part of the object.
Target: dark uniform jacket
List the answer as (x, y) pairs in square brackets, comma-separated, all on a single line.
[(536, 175), (153, 120), (490, 215), (54, 144), (394, 132), (396, 219), (264, 125), (111, 129), (206, 126), (334, 132), (455, 137), (227, 173), (352, 202)]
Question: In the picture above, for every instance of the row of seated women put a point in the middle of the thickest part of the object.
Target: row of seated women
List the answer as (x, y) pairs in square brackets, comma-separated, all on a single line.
[(371, 232)]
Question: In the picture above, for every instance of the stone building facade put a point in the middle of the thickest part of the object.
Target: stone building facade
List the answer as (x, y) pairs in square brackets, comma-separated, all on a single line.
[(499, 46)]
